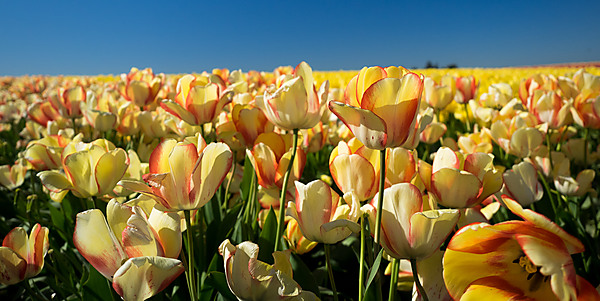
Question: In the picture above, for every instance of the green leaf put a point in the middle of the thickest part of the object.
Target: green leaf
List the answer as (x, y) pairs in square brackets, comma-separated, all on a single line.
[(246, 179), (219, 281), (303, 275), (374, 270), (266, 240), (96, 286)]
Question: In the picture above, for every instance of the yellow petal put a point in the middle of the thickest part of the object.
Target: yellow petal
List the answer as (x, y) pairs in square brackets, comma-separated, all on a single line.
[(168, 227), (429, 230), (12, 266), (364, 124), (454, 188), (143, 277)]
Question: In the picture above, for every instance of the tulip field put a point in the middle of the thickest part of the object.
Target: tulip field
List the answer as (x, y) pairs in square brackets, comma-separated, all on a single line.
[(378, 184)]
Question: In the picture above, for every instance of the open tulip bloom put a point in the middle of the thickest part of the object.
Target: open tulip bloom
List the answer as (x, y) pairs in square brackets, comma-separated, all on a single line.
[(137, 253), (516, 260)]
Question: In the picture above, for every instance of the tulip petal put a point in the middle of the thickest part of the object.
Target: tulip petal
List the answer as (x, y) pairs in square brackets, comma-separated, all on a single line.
[(212, 167), (168, 227), (454, 188), (97, 243), (110, 169), (445, 158), (54, 180), (12, 266), (138, 92), (117, 215), (139, 238), (143, 277), (353, 172), (178, 111), (369, 128), (494, 289), (37, 247), (429, 229)]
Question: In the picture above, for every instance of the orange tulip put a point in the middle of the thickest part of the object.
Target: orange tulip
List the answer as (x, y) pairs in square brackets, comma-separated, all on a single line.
[(515, 260), (22, 256), (466, 88), (381, 111)]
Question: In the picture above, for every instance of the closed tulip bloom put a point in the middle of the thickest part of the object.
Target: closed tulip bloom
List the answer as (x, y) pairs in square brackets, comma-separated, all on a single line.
[(579, 186), (296, 103), (198, 100), (466, 88), (299, 244), (141, 87), (385, 114), (401, 166), (318, 211), (355, 167), (437, 96), (251, 279), (68, 101), (270, 157), (408, 232), (91, 169), (515, 260), (22, 256), (521, 184), (459, 181), (184, 175)]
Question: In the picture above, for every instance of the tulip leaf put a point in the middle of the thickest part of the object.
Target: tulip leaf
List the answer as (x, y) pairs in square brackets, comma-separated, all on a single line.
[(303, 275), (266, 240), (374, 270), (246, 179), (95, 286), (218, 281)]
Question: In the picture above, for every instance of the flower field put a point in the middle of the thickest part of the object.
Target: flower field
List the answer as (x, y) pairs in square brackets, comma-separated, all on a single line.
[(378, 184)]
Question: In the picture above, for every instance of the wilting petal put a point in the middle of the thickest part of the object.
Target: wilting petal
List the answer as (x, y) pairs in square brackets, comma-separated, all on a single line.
[(97, 243), (143, 277)]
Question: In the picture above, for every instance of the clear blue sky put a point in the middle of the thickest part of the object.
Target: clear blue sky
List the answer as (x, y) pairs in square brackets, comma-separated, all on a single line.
[(109, 37)]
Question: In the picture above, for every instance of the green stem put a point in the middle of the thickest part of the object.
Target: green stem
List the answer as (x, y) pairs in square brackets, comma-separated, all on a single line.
[(548, 191), (467, 115), (330, 270), (190, 272), (32, 292), (226, 198), (413, 265), (282, 204), (549, 151), (361, 275), (586, 136), (394, 280), (380, 199)]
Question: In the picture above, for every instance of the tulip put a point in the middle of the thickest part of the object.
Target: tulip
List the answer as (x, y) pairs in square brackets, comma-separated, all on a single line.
[(401, 166), (22, 256), (433, 132), (68, 101), (134, 251), (198, 100), (521, 184), (355, 167), (476, 142), (184, 175), (45, 153), (437, 96), (548, 107), (579, 186), (245, 124), (461, 182), (295, 103), (251, 279), (299, 244), (91, 169), (408, 232), (386, 112), (271, 157), (42, 113), (13, 176), (536, 82), (140, 87), (514, 260), (319, 215), (466, 88), (498, 95)]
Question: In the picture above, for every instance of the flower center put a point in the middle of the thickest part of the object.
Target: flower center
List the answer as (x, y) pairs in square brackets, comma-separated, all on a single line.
[(534, 276)]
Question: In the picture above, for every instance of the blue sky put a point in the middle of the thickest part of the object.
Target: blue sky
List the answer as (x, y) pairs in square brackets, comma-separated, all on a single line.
[(109, 37)]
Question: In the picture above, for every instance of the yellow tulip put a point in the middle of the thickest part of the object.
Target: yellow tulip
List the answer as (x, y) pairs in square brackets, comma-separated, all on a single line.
[(355, 167)]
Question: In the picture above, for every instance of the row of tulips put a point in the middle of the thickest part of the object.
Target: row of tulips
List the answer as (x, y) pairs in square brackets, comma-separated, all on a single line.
[(270, 186)]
